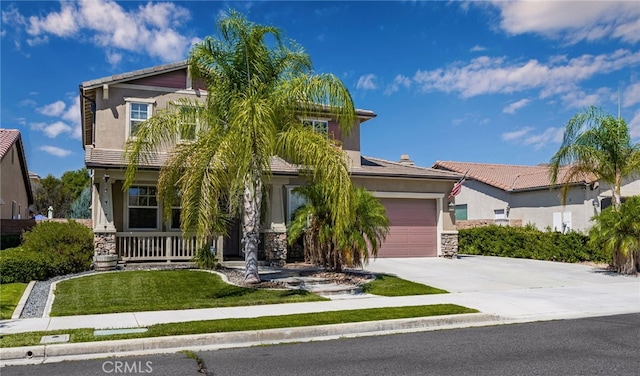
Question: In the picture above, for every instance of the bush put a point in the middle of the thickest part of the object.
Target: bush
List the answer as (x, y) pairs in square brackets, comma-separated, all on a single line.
[(20, 265), (205, 259), (48, 250), (528, 242)]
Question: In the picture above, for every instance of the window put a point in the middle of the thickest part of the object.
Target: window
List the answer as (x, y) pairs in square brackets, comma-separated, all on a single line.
[(143, 207), (321, 126), (499, 214), (189, 126), (176, 211), (461, 212), (294, 201), (138, 110)]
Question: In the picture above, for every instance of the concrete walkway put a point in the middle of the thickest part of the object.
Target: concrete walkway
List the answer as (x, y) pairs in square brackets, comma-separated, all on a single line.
[(504, 290)]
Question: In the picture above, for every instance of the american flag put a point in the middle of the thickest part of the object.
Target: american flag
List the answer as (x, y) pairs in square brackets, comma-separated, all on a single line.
[(457, 187)]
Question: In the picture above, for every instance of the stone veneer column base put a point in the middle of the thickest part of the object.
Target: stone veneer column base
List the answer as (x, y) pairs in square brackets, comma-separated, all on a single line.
[(104, 243), (449, 245), (275, 247)]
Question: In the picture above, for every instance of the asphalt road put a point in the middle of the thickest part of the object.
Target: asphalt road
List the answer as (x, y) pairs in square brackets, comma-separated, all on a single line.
[(593, 346)]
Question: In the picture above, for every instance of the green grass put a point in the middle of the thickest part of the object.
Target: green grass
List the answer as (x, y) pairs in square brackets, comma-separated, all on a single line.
[(244, 324), (388, 285), (138, 291), (10, 294)]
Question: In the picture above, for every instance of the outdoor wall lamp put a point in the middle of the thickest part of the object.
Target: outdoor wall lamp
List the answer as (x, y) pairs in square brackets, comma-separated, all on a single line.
[(452, 206), (508, 209), (106, 178)]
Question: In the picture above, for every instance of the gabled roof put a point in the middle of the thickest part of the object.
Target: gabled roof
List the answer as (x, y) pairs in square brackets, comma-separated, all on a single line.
[(134, 75), (510, 177), (9, 137)]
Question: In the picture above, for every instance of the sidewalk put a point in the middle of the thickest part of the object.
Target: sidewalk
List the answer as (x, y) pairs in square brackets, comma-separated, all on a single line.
[(498, 288)]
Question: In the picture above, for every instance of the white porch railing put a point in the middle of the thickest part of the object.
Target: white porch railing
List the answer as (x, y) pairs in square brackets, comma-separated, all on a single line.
[(156, 246)]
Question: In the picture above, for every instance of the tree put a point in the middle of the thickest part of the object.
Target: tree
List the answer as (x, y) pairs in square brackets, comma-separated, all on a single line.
[(596, 143), (76, 181), (51, 192), (81, 207), (617, 230), (259, 87), (327, 246)]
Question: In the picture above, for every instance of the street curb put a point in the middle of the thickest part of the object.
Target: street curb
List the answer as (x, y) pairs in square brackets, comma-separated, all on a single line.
[(23, 301), (201, 342)]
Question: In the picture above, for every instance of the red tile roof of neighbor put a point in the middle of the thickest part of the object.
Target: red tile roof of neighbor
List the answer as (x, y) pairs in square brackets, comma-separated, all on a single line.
[(7, 138), (510, 177)]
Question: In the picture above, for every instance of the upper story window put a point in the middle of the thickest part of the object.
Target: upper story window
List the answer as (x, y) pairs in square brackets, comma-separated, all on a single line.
[(138, 110), (189, 125), (319, 125)]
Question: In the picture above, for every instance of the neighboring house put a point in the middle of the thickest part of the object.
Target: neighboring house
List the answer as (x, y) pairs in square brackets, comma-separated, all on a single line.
[(522, 194), (15, 187), (129, 222)]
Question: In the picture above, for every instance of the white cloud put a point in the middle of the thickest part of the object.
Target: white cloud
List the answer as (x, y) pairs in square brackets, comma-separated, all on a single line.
[(634, 126), (54, 150), (515, 106), (631, 95), (367, 82), (72, 115), (580, 99), (588, 20), (62, 24), (52, 130), (54, 109), (399, 81), (551, 135), (150, 29), (27, 103), (516, 135), (477, 48), (490, 75)]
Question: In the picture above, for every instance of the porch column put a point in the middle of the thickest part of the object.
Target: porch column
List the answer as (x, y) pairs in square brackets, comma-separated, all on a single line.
[(275, 235), (104, 230)]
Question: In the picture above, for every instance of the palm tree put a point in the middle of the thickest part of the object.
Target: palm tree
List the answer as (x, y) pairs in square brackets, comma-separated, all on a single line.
[(617, 230), (324, 244), (596, 143), (259, 87)]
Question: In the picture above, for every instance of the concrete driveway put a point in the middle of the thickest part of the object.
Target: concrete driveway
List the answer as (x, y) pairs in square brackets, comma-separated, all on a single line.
[(486, 273), (520, 288)]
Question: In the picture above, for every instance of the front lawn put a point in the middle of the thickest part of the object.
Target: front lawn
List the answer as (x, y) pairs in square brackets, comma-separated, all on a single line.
[(388, 285), (10, 294), (257, 323), (138, 291)]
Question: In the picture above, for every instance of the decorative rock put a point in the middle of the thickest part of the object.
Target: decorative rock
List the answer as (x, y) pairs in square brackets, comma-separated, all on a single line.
[(275, 248), (450, 245)]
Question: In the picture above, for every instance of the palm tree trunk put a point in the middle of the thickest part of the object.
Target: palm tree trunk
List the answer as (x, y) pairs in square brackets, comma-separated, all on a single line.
[(617, 200), (250, 228)]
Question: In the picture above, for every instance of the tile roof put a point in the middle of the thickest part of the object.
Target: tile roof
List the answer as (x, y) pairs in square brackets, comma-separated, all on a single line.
[(110, 158), (509, 177), (8, 137)]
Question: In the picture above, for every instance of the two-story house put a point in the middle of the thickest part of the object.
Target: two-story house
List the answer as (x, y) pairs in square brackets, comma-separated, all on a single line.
[(129, 222)]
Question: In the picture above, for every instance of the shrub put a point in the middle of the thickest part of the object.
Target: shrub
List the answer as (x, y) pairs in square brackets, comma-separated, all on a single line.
[(21, 265), (49, 249), (528, 242), (205, 259)]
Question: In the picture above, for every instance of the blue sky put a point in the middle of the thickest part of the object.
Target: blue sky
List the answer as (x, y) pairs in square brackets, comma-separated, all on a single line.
[(474, 81)]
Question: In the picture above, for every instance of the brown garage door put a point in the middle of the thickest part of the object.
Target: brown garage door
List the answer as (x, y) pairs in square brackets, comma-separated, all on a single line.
[(412, 230)]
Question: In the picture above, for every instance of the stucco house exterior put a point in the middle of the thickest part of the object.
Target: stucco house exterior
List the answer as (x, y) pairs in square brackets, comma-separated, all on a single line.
[(15, 187), (129, 222), (508, 194)]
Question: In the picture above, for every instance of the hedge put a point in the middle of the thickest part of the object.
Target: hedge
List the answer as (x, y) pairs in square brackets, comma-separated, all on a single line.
[(529, 242), (48, 250)]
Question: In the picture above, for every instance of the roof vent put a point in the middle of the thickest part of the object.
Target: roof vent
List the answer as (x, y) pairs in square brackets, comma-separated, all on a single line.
[(404, 159)]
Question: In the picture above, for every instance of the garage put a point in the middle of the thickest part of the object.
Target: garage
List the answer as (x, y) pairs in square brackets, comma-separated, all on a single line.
[(413, 228)]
